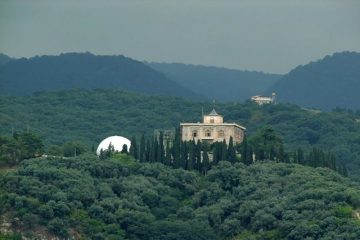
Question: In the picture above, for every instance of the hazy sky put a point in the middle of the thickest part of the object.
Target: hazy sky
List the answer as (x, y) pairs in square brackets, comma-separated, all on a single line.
[(271, 36)]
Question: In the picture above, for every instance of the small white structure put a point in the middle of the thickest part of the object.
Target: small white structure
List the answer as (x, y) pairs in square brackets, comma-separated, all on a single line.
[(117, 141), (264, 100)]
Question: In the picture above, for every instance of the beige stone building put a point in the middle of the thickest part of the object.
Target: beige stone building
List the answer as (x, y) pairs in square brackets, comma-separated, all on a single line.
[(212, 129)]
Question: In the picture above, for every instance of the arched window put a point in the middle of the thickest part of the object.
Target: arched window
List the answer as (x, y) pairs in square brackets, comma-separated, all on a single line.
[(221, 133), (212, 120), (207, 133), (194, 133)]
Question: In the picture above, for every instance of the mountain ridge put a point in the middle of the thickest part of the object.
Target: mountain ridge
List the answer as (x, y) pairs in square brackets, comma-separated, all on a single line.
[(333, 81), (218, 83), (84, 70)]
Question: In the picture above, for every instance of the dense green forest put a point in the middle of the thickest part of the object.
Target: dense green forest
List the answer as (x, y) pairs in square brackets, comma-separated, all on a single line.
[(327, 83), (218, 83), (89, 116), (25, 76), (120, 197)]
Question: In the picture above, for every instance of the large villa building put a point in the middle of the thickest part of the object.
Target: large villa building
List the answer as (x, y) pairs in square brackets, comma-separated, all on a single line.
[(212, 129)]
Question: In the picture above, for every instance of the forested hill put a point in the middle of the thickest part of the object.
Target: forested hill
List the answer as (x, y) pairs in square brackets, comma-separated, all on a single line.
[(221, 84), (84, 70), (119, 198), (333, 81), (89, 116)]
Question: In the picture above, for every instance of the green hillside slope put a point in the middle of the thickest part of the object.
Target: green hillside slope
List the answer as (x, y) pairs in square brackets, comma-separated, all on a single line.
[(90, 116), (333, 81)]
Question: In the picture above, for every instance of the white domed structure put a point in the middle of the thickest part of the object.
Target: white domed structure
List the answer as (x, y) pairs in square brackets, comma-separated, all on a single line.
[(117, 141)]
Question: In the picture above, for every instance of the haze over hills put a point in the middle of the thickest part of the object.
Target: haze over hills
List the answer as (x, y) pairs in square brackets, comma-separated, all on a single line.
[(84, 70), (333, 81), (4, 59), (217, 83)]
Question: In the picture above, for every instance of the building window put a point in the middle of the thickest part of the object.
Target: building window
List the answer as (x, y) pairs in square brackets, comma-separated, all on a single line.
[(207, 133), (194, 134), (211, 120), (221, 133)]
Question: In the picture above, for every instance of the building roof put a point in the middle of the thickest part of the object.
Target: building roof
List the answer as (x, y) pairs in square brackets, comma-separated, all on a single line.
[(212, 125), (213, 113)]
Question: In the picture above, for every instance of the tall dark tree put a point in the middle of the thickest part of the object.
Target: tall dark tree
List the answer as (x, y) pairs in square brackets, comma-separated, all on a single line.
[(281, 154), (216, 152), (124, 149), (205, 162), (244, 149), (224, 151), (142, 157), (197, 153), (191, 158), (153, 150), (249, 155), (300, 156), (161, 151), (148, 151), (168, 154), (133, 148), (176, 150), (184, 154), (231, 153)]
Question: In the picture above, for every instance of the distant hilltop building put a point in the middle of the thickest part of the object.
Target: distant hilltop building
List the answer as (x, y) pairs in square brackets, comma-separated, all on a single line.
[(264, 100), (212, 129)]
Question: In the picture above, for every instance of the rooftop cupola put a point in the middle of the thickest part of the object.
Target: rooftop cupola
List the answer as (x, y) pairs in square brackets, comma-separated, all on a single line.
[(213, 118)]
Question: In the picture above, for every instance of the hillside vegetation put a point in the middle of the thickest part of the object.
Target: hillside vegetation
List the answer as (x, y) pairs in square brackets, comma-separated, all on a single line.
[(90, 116), (333, 81), (87, 71), (114, 198), (217, 83)]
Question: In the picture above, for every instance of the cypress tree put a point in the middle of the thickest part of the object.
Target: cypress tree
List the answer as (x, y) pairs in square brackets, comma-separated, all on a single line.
[(332, 161), (224, 151), (260, 154), (153, 150), (205, 162), (231, 155), (124, 149), (244, 151), (133, 148), (300, 156), (158, 149), (191, 158), (142, 149), (281, 154), (215, 153), (345, 172), (197, 163), (176, 151), (168, 154), (295, 157), (249, 158), (161, 151), (147, 151), (183, 154), (272, 152)]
